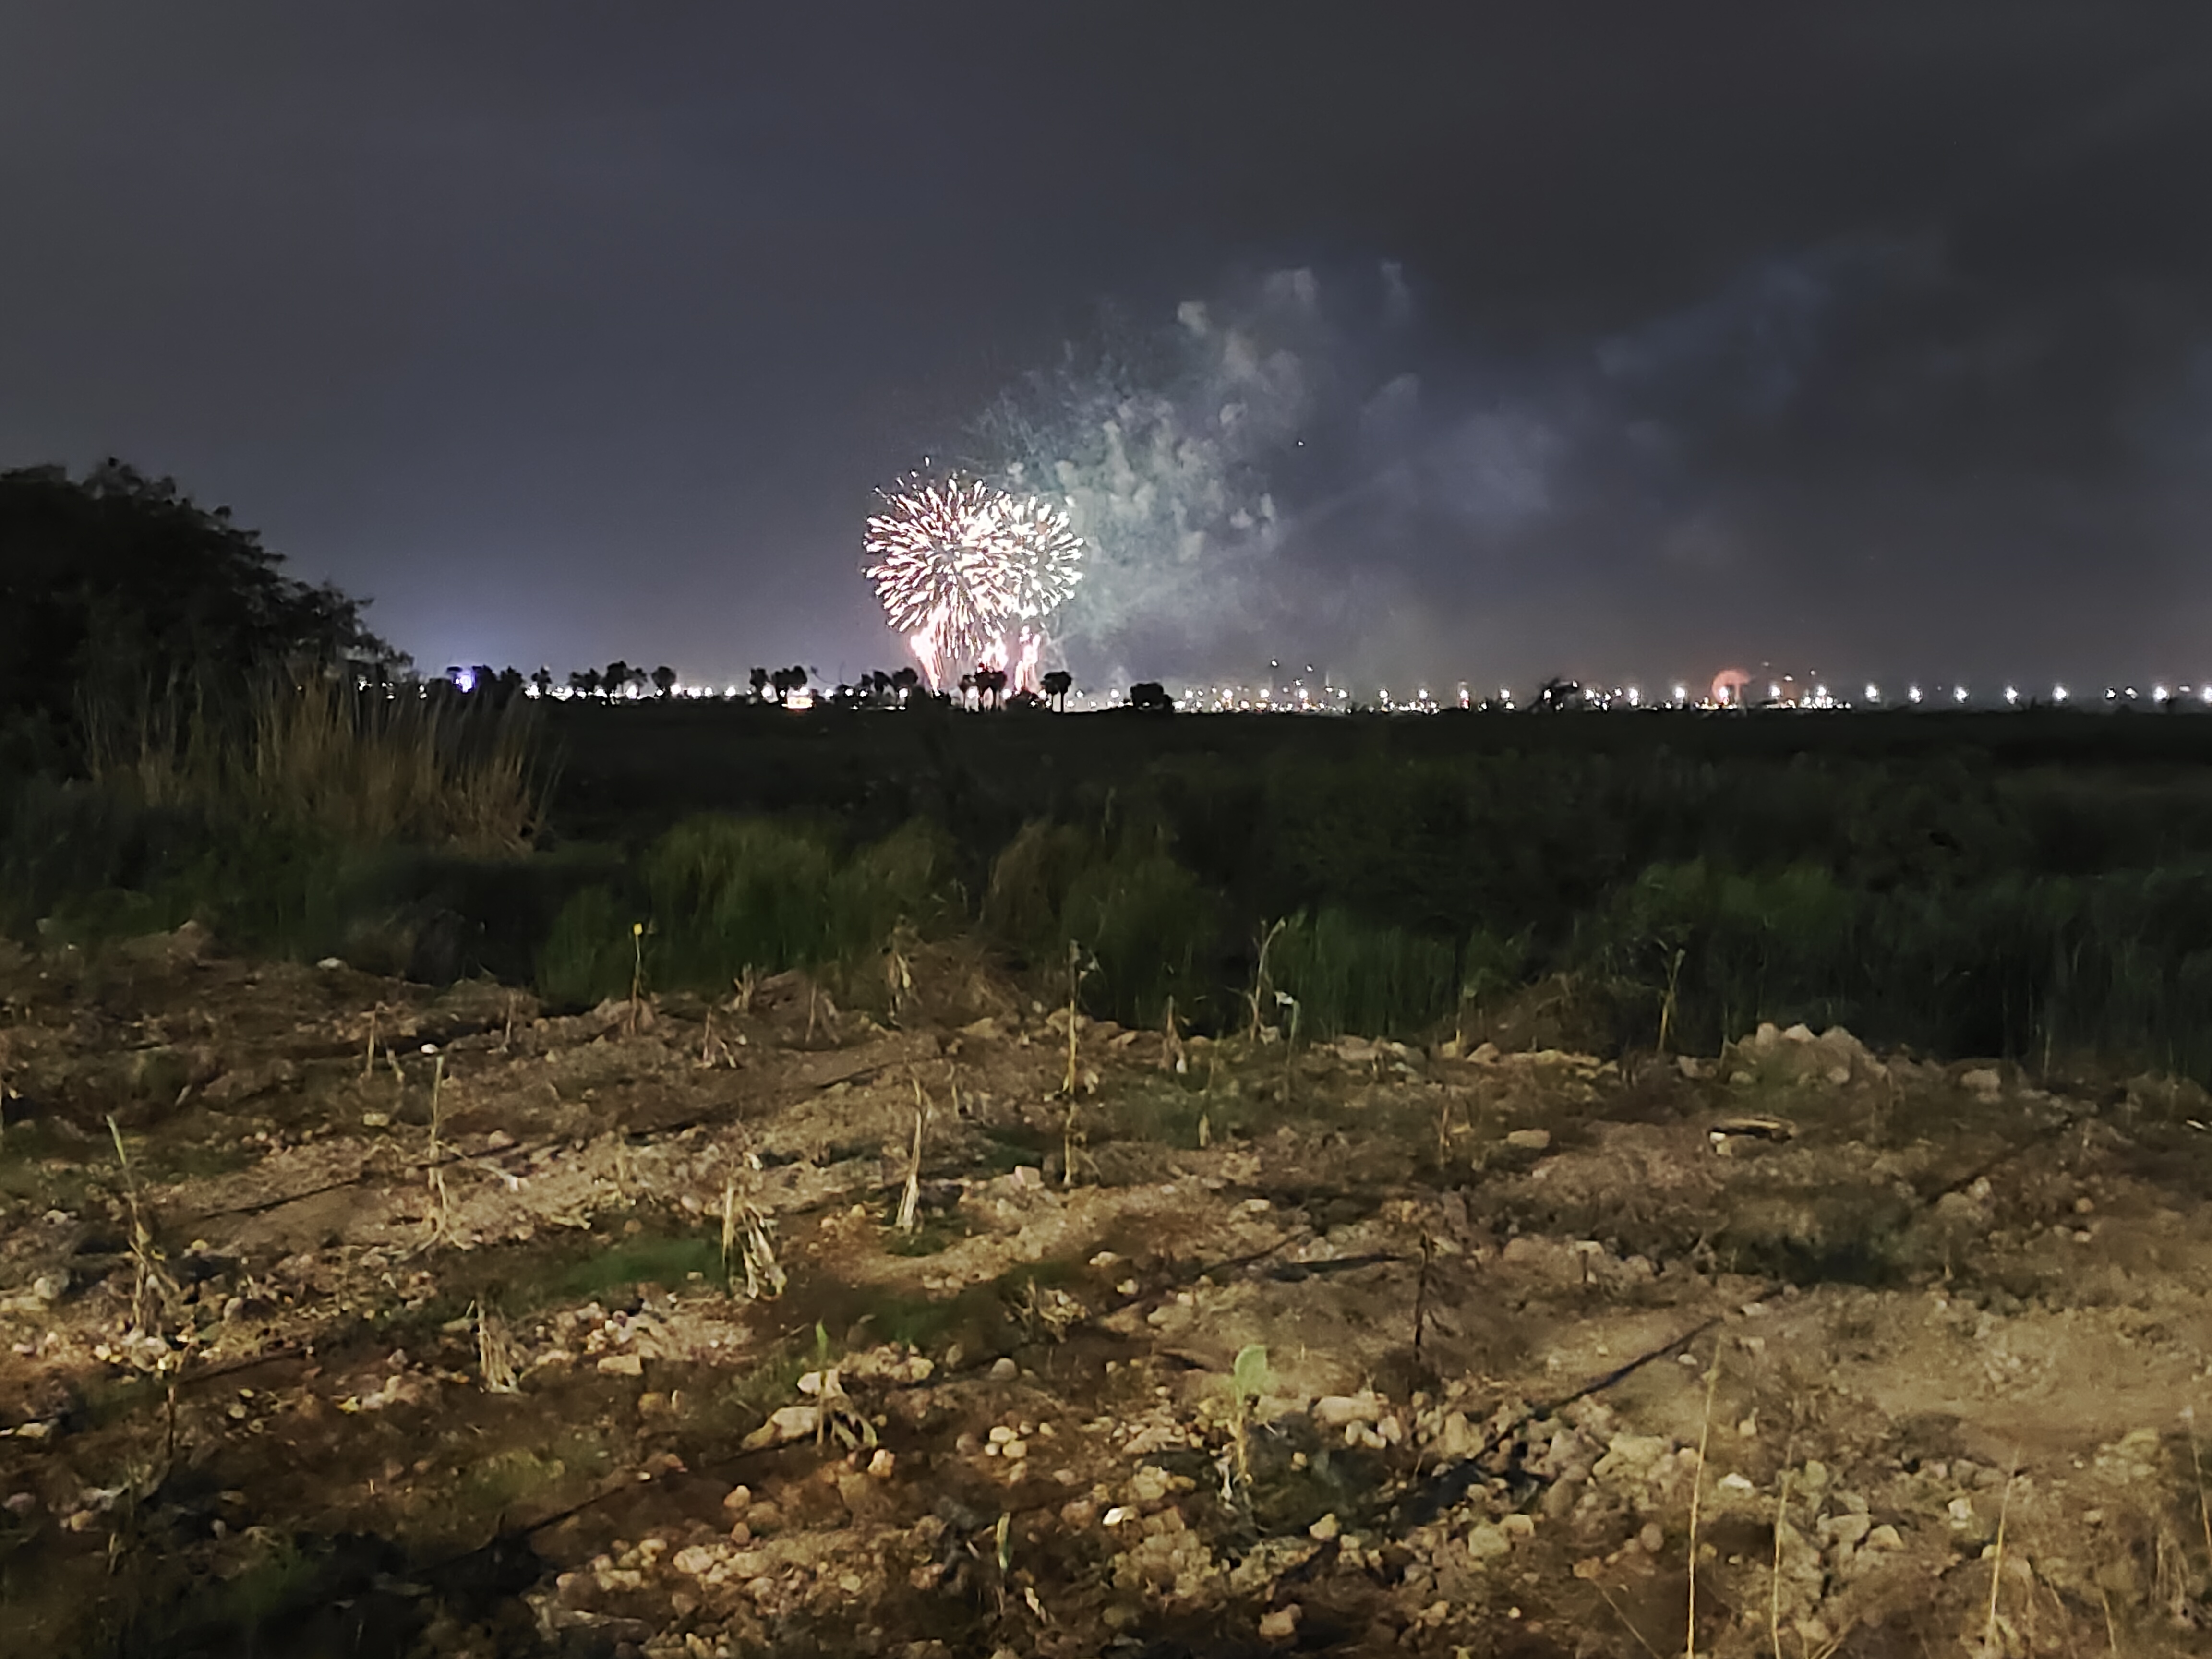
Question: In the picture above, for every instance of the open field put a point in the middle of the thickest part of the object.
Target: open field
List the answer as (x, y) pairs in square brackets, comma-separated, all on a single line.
[(929, 1184), (601, 1333)]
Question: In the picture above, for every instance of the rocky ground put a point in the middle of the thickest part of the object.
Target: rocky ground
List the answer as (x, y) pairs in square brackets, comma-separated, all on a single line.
[(389, 1321)]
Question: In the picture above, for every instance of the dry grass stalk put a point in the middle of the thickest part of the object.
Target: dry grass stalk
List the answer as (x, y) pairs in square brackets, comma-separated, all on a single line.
[(1625, 1623), (1697, 1496), (909, 1210), (1173, 1057), (1258, 995), (1774, 1578), (898, 968), (1996, 1564), (637, 976), (747, 985), (151, 1283), (495, 1352), (438, 1217), (745, 1241), (1667, 1007), (368, 1054), (2195, 1462)]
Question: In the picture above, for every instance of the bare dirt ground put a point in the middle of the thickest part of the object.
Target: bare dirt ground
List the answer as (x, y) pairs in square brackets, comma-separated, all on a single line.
[(648, 1332)]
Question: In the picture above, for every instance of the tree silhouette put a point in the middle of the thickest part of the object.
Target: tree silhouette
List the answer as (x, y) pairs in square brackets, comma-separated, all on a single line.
[(120, 583), (1151, 697), (615, 680), (542, 679), (906, 681), (1057, 684), (1560, 695), (990, 682), (664, 682), (585, 682), (760, 684)]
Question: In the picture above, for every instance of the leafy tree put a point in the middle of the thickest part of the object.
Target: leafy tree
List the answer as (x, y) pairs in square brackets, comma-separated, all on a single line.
[(585, 682), (1057, 684), (664, 682), (118, 585), (542, 679), (1151, 697), (760, 684), (616, 680), (991, 683)]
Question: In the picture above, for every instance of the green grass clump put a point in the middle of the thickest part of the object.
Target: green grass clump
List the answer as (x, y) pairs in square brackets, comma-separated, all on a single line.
[(721, 895), (1349, 976)]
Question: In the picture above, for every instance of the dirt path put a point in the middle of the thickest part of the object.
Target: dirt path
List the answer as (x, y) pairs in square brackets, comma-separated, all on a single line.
[(602, 1335)]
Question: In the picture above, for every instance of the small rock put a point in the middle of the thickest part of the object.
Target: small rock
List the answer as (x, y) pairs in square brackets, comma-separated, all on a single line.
[(1652, 1539), (1324, 1529), (1004, 1370), (1335, 1410), (788, 1423), (1281, 1625), (621, 1364), (1517, 1525), (1849, 1528), (1884, 1537), (1487, 1540), (1529, 1140), (696, 1560), (739, 1500), (881, 1464)]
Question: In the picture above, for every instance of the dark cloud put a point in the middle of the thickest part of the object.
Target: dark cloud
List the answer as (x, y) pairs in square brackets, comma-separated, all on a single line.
[(1636, 336)]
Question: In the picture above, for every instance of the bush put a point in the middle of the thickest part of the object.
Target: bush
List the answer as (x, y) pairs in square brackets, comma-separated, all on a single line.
[(1153, 930), (587, 957), (1348, 977)]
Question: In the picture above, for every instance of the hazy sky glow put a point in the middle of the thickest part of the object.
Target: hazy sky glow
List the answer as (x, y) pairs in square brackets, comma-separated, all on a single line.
[(1490, 341)]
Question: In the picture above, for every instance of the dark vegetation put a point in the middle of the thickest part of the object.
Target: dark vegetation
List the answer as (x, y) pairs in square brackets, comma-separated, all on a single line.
[(185, 738)]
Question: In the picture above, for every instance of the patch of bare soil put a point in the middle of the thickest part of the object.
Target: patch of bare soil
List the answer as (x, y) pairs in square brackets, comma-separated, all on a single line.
[(383, 1321)]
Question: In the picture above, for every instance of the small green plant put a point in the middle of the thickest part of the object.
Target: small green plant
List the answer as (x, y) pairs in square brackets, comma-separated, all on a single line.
[(1249, 1379)]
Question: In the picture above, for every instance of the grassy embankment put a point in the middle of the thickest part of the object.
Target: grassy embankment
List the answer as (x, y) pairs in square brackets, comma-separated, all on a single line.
[(2039, 886)]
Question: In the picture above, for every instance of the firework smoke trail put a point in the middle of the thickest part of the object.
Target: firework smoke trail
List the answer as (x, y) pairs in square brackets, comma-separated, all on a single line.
[(956, 563)]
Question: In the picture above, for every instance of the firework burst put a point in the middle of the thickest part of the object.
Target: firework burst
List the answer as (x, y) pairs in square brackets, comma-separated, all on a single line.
[(959, 566)]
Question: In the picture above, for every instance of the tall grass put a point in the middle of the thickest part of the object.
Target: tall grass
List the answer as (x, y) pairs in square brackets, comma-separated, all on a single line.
[(361, 766), (1348, 976), (724, 895), (1151, 929)]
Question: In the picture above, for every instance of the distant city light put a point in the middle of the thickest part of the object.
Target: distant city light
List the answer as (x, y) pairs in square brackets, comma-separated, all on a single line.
[(1914, 693), (1874, 692), (2058, 694), (2011, 694), (1957, 694)]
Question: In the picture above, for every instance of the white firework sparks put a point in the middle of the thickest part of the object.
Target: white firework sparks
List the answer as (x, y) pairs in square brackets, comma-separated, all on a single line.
[(958, 565)]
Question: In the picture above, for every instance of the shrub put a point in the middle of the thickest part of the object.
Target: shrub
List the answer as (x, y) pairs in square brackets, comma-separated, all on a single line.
[(587, 957), (1153, 930), (1348, 976)]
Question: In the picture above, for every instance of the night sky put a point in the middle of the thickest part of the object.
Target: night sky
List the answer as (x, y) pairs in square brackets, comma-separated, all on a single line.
[(1626, 340)]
